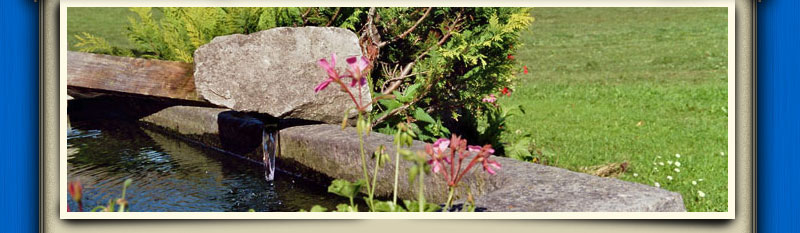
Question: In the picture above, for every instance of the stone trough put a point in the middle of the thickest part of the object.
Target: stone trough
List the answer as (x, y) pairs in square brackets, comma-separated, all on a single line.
[(324, 151)]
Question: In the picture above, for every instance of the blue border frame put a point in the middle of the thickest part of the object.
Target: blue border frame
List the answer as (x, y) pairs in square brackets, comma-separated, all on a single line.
[(19, 119), (778, 119)]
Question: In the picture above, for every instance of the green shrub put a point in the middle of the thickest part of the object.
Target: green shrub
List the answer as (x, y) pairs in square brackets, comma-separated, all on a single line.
[(438, 62)]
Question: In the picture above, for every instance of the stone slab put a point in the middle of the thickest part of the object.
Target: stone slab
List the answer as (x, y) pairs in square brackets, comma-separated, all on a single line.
[(323, 151)]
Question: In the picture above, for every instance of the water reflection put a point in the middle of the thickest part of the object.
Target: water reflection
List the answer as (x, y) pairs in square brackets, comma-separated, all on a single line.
[(172, 175)]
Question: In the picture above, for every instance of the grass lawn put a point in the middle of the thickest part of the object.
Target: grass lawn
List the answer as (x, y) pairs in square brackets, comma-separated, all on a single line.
[(630, 84), (106, 22)]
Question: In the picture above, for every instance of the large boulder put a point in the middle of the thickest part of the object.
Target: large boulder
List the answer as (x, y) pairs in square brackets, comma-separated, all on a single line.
[(275, 72)]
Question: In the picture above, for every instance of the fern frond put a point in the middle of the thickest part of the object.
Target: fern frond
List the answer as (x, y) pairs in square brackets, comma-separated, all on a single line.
[(92, 44)]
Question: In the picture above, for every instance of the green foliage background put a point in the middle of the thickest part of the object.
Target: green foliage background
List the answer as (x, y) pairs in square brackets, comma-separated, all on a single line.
[(459, 54)]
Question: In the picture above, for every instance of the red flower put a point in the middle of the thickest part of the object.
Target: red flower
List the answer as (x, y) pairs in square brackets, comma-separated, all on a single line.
[(525, 69), (506, 91), (75, 189), (510, 57)]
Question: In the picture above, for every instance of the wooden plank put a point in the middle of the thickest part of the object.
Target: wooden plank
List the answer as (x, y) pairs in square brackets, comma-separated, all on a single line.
[(87, 72)]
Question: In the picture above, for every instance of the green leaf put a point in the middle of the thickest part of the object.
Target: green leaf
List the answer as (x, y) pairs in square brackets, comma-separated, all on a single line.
[(345, 188), (411, 91), (318, 208), (387, 206), (421, 115), (346, 208), (390, 104), (519, 149), (413, 206)]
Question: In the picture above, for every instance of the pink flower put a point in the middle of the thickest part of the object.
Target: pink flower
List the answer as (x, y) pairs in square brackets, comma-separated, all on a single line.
[(488, 164), (475, 149), (356, 67), (478, 149), (331, 69), (441, 145), (436, 166), (490, 99)]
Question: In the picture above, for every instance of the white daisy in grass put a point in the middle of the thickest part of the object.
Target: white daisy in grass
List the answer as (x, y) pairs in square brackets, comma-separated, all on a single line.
[(669, 177), (677, 164), (677, 155), (699, 179), (721, 153), (669, 162), (661, 163), (701, 194), (676, 170), (658, 156), (694, 182), (635, 175), (657, 185)]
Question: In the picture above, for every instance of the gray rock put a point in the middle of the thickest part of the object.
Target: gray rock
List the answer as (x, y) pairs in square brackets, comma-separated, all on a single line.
[(220, 128), (275, 72), (517, 186)]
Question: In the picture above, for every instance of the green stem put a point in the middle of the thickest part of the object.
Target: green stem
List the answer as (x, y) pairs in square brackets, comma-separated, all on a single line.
[(449, 199), (122, 206), (374, 179), (396, 172), (421, 190), (363, 157)]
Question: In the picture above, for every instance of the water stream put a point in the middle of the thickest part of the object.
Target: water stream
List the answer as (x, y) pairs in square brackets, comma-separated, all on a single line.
[(270, 141)]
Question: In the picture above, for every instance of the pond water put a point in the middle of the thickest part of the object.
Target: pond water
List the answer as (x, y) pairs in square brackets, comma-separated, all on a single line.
[(170, 174)]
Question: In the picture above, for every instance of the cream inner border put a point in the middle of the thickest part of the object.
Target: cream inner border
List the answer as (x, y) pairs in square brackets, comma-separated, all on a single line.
[(730, 4)]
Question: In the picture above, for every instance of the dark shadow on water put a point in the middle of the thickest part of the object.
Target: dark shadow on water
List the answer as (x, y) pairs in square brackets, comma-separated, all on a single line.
[(120, 107), (174, 175)]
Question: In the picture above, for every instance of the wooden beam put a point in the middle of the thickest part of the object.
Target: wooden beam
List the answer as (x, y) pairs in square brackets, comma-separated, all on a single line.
[(87, 72)]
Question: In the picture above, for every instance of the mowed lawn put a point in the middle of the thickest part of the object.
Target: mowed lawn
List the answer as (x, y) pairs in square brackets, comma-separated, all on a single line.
[(107, 22), (608, 85)]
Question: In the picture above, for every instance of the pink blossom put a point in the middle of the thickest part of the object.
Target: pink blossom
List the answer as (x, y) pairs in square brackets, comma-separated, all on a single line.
[(488, 164), (490, 99), (356, 67), (331, 69), (436, 166), (441, 145), (478, 149)]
